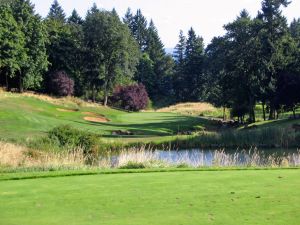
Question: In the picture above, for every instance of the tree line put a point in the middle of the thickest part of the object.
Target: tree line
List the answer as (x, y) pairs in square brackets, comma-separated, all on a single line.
[(256, 61)]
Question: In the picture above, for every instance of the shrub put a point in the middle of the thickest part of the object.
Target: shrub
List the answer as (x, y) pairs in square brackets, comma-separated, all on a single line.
[(133, 97), (66, 136), (133, 165), (61, 84)]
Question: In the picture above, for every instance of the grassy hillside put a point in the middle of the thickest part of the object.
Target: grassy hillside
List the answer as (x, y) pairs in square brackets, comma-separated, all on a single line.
[(220, 197), (28, 116), (23, 116)]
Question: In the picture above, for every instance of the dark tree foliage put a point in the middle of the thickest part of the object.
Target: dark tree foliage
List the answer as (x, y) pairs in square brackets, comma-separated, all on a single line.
[(36, 63), (288, 91), (189, 80), (12, 43), (75, 18), (111, 58), (155, 69), (133, 97), (295, 28), (61, 84), (218, 82), (273, 30), (56, 12)]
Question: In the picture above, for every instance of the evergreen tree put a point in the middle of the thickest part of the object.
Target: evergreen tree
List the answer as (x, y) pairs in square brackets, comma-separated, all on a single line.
[(31, 73), (5, 2), (179, 55), (65, 45), (56, 12), (75, 18), (129, 19), (12, 42), (75, 57), (220, 92), (193, 82), (273, 31), (110, 58), (153, 57), (244, 66), (162, 64), (139, 29)]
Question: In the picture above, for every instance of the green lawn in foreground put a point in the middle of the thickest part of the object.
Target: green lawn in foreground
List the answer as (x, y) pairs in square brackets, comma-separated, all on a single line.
[(22, 117), (213, 197)]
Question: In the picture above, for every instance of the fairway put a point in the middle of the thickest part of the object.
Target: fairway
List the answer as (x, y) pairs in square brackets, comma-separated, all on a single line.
[(176, 198), (24, 117)]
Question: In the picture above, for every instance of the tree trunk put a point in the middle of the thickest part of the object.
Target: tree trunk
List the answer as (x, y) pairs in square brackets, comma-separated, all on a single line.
[(272, 113), (105, 100), (253, 115), (105, 95), (224, 111), (294, 112), (93, 94), (21, 89), (6, 81), (264, 111), (251, 109)]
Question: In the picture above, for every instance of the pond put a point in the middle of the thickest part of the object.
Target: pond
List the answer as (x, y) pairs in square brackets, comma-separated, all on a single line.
[(209, 158)]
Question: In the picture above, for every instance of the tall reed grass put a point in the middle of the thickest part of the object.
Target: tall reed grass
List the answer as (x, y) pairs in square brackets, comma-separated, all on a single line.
[(13, 157)]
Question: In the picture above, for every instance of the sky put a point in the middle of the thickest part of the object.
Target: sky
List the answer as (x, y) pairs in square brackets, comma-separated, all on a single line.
[(207, 17)]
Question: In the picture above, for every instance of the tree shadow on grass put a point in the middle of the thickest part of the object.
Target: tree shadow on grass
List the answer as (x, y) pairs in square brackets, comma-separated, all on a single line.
[(169, 126)]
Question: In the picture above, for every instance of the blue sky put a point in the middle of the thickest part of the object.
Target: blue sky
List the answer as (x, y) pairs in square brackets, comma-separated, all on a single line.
[(207, 17)]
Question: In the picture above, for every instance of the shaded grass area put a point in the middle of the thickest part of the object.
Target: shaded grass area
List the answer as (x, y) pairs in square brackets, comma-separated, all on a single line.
[(227, 197), (21, 174)]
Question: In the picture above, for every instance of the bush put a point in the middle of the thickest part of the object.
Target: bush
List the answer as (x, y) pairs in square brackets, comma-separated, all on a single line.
[(61, 84), (132, 97), (66, 136), (133, 165)]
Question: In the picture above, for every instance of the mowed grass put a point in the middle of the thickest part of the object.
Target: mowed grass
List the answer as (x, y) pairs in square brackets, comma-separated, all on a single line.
[(171, 198), (25, 117)]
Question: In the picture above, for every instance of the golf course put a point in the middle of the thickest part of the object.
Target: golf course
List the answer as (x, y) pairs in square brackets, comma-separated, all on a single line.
[(138, 112), (79, 194)]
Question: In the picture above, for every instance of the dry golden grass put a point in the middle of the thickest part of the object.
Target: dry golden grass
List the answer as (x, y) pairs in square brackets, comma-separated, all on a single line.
[(11, 155), (14, 156), (190, 108), (65, 101)]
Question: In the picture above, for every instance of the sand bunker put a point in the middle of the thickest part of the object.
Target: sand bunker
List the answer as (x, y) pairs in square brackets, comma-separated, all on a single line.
[(96, 119), (92, 114), (66, 110)]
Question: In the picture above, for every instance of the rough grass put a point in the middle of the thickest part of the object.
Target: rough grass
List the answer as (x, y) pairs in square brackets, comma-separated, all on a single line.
[(198, 109), (227, 197), (15, 157)]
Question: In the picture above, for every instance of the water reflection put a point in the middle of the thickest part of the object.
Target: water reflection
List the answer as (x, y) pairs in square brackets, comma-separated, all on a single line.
[(208, 158)]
